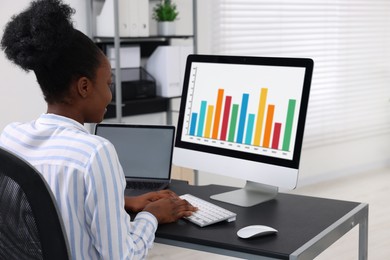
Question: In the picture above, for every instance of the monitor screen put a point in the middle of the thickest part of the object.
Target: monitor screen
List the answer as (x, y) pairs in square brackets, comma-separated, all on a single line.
[(244, 117)]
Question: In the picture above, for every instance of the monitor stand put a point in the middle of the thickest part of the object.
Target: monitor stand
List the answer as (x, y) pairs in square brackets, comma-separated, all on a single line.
[(253, 193)]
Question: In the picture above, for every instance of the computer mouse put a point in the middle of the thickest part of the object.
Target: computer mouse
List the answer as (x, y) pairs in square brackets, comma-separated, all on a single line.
[(255, 231)]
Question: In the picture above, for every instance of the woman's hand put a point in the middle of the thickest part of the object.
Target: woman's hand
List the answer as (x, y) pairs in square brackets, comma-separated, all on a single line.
[(138, 203), (170, 209)]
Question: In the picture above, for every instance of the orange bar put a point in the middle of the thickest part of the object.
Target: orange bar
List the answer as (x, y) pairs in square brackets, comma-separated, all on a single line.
[(209, 120), (260, 116), (218, 110), (268, 125)]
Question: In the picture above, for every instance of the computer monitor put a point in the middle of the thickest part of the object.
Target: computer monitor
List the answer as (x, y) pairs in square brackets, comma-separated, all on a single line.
[(244, 117)]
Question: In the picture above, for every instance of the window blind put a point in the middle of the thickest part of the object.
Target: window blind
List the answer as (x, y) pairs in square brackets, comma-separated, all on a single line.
[(349, 41)]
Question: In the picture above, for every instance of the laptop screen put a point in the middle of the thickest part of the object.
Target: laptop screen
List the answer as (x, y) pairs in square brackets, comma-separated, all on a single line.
[(144, 151)]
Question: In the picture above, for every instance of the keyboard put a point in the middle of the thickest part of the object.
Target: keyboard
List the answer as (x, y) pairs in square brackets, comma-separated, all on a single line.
[(207, 213)]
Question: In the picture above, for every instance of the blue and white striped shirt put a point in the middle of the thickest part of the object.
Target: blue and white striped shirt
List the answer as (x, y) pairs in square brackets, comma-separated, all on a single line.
[(87, 181)]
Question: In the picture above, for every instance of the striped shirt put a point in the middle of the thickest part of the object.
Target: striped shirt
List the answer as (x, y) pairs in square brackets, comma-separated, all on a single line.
[(87, 181)]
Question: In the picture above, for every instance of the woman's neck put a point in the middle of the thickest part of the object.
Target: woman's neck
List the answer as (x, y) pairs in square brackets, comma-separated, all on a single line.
[(66, 111)]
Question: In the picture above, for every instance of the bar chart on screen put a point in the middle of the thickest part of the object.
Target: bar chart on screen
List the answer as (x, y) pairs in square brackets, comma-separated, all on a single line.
[(250, 110)]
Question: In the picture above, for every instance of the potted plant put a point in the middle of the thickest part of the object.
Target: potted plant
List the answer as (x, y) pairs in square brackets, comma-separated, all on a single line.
[(165, 13)]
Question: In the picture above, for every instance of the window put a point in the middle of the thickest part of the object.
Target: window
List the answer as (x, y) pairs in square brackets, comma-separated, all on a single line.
[(349, 41)]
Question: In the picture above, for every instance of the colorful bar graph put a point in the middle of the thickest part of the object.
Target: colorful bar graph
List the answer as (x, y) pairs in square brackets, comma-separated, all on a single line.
[(276, 136), (260, 116), (209, 120), (289, 125), (202, 115), (233, 123), (194, 117), (217, 116), (224, 120), (241, 123), (249, 129), (268, 125)]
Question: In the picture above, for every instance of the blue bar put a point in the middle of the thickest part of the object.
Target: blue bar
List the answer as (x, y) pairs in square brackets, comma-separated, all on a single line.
[(241, 123), (203, 106), (249, 129), (193, 123)]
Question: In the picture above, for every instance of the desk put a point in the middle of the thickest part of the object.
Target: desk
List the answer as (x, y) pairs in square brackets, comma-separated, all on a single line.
[(306, 225)]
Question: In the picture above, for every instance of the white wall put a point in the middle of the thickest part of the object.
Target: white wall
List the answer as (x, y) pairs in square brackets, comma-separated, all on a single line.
[(21, 98)]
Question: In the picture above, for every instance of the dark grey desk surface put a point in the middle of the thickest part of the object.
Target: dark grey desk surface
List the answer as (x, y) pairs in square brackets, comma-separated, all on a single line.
[(297, 218)]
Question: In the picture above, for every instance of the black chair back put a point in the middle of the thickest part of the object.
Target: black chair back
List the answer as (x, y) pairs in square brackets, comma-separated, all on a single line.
[(30, 224)]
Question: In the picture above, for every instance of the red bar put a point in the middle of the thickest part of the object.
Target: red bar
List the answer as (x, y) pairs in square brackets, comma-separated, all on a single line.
[(276, 137), (225, 119)]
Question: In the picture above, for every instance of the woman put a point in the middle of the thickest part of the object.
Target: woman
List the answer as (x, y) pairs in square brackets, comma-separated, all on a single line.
[(82, 170)]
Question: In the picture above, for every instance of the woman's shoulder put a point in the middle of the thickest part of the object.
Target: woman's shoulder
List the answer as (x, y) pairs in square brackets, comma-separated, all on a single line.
[(15, 126)]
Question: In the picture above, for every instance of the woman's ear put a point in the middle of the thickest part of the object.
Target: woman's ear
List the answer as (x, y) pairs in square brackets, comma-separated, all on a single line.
[(84, 86)]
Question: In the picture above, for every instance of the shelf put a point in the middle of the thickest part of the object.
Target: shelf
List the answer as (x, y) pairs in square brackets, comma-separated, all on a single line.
[(139, 107), (148, 44), (155, 38)]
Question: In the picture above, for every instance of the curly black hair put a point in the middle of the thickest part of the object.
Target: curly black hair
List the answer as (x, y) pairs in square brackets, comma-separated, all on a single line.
[(42, 39)]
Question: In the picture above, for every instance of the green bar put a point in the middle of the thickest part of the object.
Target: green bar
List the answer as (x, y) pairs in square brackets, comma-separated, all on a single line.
[(289, 124), (233, 123)]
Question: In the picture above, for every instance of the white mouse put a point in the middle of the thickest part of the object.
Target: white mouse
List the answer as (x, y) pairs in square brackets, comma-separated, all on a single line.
[(255, 231)]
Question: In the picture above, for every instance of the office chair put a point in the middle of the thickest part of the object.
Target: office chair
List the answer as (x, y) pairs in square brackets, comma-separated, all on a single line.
[(30, 224)]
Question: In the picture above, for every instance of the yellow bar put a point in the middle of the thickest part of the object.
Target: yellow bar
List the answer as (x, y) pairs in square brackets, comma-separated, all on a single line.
[(217, 117), (260, 116), (209, 120), (268, 125)]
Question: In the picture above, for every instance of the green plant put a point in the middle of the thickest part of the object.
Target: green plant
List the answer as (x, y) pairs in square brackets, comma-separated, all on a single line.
[(165, 11)]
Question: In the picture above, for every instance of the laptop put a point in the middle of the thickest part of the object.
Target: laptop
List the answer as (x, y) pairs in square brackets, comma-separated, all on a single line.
[(144, 151)]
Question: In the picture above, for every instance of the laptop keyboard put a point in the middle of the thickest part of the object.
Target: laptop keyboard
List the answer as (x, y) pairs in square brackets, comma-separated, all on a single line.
[(141, 185)]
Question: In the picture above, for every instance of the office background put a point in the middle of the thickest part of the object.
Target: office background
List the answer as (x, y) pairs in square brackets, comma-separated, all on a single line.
[(330, 151)]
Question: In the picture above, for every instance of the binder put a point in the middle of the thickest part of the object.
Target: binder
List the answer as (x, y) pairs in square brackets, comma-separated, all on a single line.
[(143, 18), (133, 19)]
